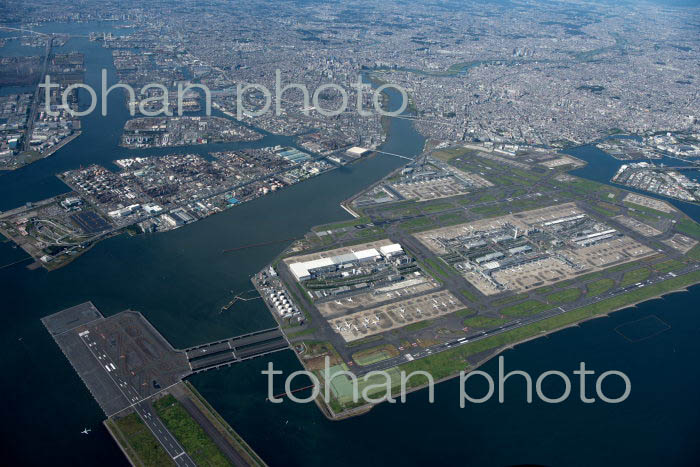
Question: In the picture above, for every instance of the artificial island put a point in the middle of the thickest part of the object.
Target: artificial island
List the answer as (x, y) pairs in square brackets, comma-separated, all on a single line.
[(461, 254)]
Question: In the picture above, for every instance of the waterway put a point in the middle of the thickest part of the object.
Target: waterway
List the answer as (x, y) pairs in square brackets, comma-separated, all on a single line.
[(180, 280)]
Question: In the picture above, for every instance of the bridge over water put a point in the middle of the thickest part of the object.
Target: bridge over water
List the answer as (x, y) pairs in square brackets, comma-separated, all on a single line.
[(235, 349), (124, 360)]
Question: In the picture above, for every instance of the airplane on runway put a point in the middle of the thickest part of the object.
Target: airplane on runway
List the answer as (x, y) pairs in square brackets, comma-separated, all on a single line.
[(86, 431)]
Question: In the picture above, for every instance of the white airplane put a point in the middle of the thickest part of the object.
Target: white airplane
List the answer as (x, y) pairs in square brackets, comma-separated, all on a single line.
[(86, 431)]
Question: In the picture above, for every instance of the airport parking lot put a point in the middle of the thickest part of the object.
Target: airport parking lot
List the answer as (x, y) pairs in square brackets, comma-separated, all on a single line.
[(395, 315)]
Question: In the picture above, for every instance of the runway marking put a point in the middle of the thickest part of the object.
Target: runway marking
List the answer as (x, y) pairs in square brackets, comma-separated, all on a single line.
[(178, 455)]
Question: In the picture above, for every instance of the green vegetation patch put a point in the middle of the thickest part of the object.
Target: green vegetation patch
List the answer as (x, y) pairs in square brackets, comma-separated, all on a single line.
[(375, 354), (543, 290), (373, 232), (138, 441), (648, 211), (447, 154), (564, 296), (694, 253), (450, 362), (413, 327), (320, 348), (605, 209), (468, 295), (188, 432), (438, 268), (578, 280), (340, 225), (668, 266), (418, 223), (512, 298), (303, 332), (689, 228), (403, 208), (238, 443), (598, 287), (485, 322), (342, 386), (365, 340), (436, 207), (525, 308), (450, 219), (634, 276)]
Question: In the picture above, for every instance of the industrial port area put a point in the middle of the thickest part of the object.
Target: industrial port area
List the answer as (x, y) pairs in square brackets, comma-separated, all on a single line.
[(440, 281), (35, 125), (484, 174), (161, 132), (661, 180), (150, 194)]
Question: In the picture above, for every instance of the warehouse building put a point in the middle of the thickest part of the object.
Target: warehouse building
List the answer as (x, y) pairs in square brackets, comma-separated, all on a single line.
[(306, 270)]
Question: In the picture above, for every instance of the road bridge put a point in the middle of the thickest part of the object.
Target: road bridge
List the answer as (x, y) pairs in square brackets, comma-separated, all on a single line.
[(235, 349)]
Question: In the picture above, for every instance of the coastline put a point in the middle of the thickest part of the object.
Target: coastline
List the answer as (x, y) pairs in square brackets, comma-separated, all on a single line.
[(365, 408), (48, 153), (119, 231)]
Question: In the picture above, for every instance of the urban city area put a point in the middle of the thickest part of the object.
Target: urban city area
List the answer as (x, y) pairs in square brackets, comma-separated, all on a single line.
[(350, 233)]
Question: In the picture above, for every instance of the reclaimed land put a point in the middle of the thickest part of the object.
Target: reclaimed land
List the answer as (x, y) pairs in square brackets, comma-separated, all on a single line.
[(188, 432), (449, 363), (238, 443), (137, 442)]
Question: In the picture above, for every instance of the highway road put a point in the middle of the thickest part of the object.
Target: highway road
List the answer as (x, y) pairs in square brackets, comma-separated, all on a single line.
[(35, 101)]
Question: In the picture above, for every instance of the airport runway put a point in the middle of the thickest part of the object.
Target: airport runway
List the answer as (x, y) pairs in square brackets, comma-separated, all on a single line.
[(517, 323), (142, 406), (164, 437)]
